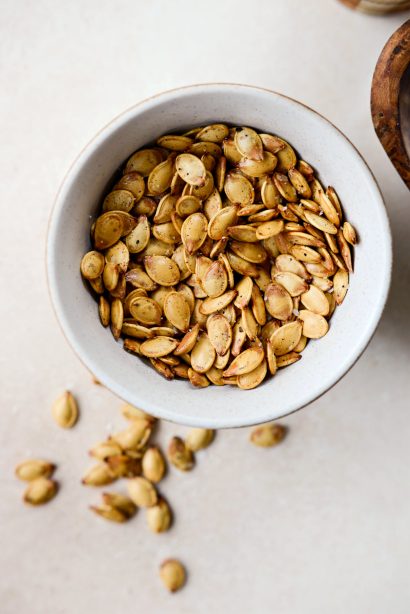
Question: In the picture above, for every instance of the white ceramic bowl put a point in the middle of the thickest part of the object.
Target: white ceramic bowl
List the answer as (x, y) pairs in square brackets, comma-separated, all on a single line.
[(324, 361)]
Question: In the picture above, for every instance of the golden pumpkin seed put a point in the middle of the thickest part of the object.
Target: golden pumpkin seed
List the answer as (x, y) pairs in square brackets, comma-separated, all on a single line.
[(287, 359), (109, 513), (105, 449), (315, 300), (345, 250), (272, 143), (162, 270), (299, 183), (258, 168), (268, 435), (294, 284), (214, 133), (245, 362), (40, 490), (271, 358), (314, 325), (205, 147), (197, 380), (285, 188), (177, 310), (180, 455), (108, 230), (253, 379), (278, 302), (117, 317), (269, 229), (132, 346), (244, 292), (191, 169), (194, 232), (202, 192), (121, 503), (175, 142), (219, 334), (349, 233), (135, 436), (305, 254), (32, 469), (142, 492), (145, 310), (158, 346), (159, 179), (220, 222), (153, 464), (248, 143), (186, 205), (118, 254), (286, 338), (251, 252), (220, 173), (202, 354), (239, 189), (132, 182), (215, 279), (97, 285), (99, 475), (198, 439), (341, 285), (104, 311), (243, 233), (212, 304), (65, 410), (162, 368), (159, 516), (143, 161), (172, 574), (92, 265), (119, 200)]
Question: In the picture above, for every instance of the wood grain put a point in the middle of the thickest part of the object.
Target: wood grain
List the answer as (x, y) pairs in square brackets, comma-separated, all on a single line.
[(388, 78)]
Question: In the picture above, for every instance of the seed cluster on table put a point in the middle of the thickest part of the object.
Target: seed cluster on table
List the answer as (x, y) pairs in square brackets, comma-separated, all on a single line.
[(129, 454), (218, 255)]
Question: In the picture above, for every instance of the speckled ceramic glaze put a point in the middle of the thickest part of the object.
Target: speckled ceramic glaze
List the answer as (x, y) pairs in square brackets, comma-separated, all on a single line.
[(324, 361)]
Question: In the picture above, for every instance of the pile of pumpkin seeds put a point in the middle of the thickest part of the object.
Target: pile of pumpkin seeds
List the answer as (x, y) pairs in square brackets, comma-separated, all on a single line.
[(218, 255)]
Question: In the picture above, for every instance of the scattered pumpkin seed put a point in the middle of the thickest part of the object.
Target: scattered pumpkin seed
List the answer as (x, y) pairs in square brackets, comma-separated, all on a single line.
[(268, 435), (172, 574), (65, 410)]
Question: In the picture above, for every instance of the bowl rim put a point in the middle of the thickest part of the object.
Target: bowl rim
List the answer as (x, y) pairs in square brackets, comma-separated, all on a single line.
[(52, 286)]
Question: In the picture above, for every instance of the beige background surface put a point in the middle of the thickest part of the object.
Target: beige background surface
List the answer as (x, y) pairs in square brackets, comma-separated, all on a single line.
[(317, 525)]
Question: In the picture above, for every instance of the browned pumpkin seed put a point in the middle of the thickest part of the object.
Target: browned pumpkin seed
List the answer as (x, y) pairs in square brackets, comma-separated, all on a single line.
[(314, 325)]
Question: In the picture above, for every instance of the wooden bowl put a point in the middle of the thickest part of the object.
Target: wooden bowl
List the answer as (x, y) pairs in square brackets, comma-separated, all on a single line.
[(378, 7), (390, 100)]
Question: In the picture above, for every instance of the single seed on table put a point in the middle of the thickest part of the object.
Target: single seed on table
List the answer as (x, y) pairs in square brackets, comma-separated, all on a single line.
[(109, 513), (198, 439), (153, 464), (268, 435), (65, 410), (180, 455), (135, 436), (32, 469), (172, 574), (105, 449), (159, 516), (142, 492), (314, 325), (40, 490), (120, 502), (99, 475)]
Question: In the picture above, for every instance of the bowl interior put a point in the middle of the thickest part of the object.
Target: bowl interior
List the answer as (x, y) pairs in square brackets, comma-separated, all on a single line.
[(324, 361)]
